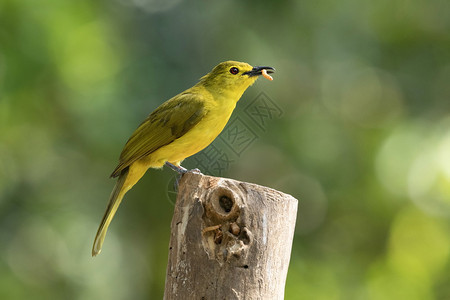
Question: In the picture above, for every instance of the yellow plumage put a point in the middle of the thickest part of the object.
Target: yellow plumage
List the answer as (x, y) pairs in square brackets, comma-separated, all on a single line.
[(179, 128)]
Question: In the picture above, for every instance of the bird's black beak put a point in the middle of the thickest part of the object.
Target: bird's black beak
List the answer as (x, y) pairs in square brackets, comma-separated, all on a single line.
[(258, 71)]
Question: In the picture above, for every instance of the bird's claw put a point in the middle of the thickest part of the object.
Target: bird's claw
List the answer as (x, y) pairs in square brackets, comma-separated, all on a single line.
[(195, 171), (180, 175), (181, 170), (178, 169)]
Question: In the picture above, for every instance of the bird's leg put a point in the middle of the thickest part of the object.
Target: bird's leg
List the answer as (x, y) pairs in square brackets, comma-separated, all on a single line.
[(181, 171), (178, 169)]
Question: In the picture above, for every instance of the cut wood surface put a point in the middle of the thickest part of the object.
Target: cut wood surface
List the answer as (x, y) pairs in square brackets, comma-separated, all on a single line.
[(229, 240)]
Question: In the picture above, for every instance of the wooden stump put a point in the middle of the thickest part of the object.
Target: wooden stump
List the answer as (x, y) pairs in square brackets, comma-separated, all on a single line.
[(229, 240)]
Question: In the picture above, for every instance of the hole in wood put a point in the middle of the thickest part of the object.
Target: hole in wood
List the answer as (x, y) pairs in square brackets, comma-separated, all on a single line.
[(245, 236), (226, 203), (221, 205)]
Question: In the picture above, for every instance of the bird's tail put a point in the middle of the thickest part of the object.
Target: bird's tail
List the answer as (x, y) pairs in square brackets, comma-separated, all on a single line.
[(114, 202)]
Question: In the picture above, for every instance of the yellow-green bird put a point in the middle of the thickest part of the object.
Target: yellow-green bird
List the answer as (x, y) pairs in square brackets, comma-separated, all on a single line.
[(179, 128)]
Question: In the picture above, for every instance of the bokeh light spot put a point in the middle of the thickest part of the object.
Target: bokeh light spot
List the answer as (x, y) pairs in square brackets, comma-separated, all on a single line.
[(88, 59), (419, 245)]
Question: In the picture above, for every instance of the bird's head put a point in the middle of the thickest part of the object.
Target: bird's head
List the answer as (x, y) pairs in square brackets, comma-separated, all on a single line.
[(233, 76)]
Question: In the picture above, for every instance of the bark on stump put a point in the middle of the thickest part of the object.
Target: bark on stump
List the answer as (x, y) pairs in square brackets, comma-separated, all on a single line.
[(229, 240)]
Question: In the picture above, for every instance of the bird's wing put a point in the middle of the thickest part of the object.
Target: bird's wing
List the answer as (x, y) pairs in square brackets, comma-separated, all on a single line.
[(168, 122)]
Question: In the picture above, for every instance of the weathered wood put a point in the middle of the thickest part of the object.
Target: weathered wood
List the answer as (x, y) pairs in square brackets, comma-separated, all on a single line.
[(229, 240)]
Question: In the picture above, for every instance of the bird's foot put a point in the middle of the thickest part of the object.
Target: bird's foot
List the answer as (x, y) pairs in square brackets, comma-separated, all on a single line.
[(178, 169), (195, 171), (181, 170)]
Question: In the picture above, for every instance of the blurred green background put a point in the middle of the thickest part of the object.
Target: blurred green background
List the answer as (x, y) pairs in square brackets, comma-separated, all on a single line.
[(363, 141)]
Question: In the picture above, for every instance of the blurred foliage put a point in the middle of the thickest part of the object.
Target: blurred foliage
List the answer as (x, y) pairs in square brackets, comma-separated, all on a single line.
[(363, 142)]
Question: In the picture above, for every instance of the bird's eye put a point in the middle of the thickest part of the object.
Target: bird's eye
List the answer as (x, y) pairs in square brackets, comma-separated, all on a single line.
[(234, 70)]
